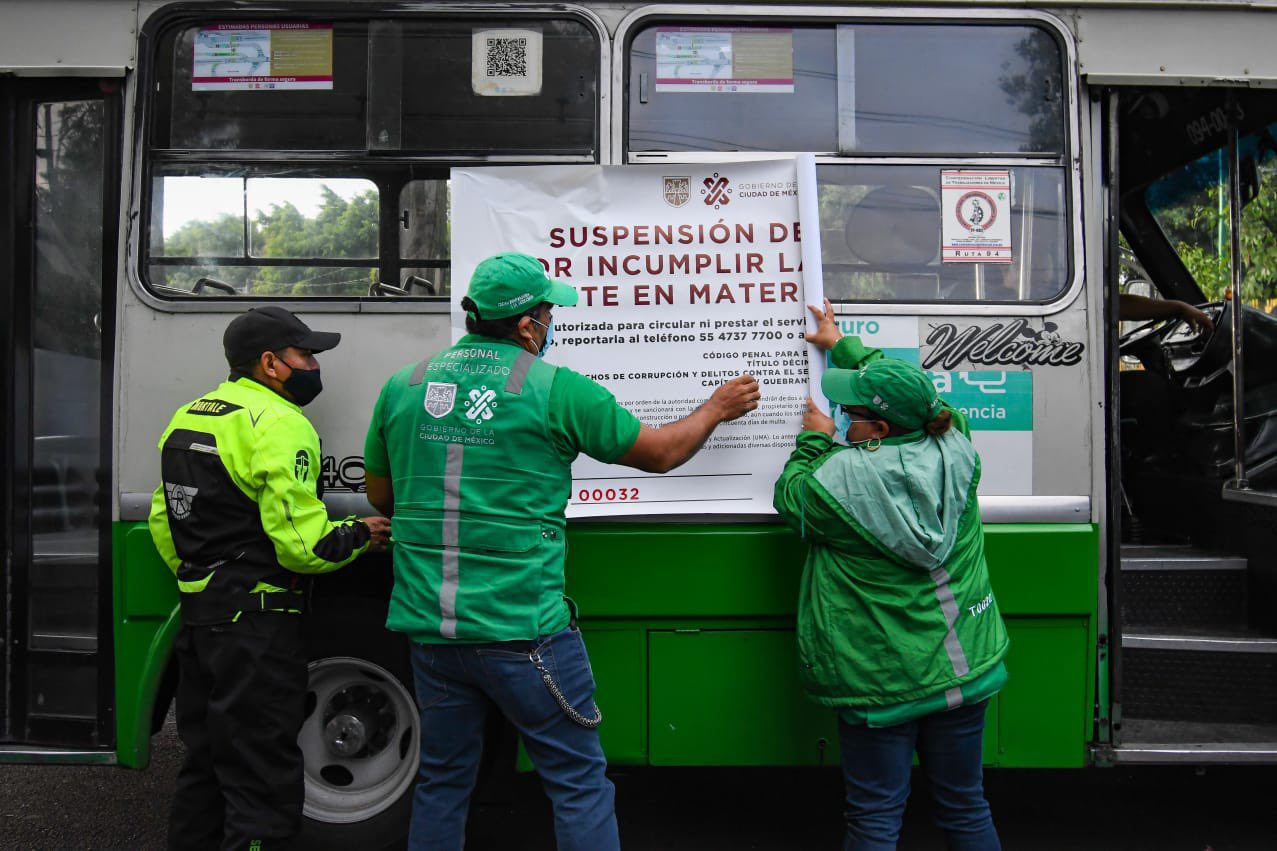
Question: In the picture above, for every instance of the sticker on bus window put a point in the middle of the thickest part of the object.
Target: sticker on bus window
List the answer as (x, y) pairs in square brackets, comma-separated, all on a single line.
[(506, 63), (263, 57), (977, 216), (725, 59)]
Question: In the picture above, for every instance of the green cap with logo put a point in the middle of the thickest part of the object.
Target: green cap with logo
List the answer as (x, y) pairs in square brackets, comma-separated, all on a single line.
[(897, 391), (509, 284)]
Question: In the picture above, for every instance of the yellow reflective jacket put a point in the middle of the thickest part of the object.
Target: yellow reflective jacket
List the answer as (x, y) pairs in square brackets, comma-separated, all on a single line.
[(237, 516)]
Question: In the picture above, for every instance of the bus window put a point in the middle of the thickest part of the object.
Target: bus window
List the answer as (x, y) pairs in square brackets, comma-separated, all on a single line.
[(415, 85), (57, 638), (296, 157), (881, 229), (864, 88), (675, 116), (546, 100), (1190, 205), (229, 115), (221, 236), (886, 93)]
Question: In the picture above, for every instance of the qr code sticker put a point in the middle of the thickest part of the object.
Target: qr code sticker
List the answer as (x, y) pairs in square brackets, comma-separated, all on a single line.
[(507, 57), (506, 62)]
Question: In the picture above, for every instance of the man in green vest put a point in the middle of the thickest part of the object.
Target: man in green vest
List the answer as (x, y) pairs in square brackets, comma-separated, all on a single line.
[(238, 520), (472, 450)]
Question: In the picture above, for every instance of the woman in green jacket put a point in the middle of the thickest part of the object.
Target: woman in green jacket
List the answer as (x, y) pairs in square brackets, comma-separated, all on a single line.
[(898, 628)]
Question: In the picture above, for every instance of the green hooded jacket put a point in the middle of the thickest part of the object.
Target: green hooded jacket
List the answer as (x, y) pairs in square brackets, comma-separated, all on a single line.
[(896, 617)]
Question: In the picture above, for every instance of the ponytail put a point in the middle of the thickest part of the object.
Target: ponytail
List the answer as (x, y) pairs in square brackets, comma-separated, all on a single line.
[(940, 425)]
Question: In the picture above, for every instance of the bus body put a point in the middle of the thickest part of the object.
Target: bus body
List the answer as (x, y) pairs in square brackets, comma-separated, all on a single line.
[(165, 176)]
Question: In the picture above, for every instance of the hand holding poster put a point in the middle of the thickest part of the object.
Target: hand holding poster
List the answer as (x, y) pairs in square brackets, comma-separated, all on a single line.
[(687, 279)]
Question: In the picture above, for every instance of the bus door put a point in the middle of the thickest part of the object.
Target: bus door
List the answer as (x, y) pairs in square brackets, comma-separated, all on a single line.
[(57, 252), (1196, 675)]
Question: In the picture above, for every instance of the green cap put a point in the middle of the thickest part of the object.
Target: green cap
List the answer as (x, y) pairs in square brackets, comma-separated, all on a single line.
[(899, 392), (509, 284)]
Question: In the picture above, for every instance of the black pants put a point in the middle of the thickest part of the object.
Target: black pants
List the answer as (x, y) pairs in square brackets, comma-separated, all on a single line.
[(240, 704)]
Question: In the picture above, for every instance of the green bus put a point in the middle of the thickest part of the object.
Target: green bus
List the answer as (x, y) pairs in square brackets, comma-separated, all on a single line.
[(165, 169)]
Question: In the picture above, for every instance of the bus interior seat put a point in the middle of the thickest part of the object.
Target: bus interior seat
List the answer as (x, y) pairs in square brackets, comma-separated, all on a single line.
[(1210, 434), (895, 231)]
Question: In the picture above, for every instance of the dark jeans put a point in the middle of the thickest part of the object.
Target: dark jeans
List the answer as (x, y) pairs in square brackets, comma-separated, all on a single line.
[(876, 765), (455, 684), (240, 702)]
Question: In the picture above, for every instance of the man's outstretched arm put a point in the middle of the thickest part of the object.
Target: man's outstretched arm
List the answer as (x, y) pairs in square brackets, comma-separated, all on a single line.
[(659, 450)]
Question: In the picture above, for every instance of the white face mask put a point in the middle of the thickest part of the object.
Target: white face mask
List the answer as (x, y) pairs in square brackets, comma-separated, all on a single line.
[(842, 426), (842, 423), (549, 335)]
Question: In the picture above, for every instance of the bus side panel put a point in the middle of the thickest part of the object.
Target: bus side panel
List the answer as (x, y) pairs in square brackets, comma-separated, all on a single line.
[(620, 650), (146, 627), (732, 697), (691, 688), (719, 673), (1046, 579)]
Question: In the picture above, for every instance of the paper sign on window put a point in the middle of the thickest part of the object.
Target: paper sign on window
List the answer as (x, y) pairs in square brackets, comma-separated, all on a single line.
[(267, 56), (724, 59), (977, 216), (506, 63)]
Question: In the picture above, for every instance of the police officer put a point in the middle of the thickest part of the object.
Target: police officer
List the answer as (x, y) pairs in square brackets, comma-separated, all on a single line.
[(238, 520), (473, 450)]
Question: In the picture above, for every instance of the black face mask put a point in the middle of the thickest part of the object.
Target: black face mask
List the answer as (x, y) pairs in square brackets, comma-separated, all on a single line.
[(303, 385)]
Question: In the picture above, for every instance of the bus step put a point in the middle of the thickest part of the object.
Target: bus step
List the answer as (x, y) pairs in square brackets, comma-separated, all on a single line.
[(1151, 740), (1196, 753), (1200, 676), (1181, 587)]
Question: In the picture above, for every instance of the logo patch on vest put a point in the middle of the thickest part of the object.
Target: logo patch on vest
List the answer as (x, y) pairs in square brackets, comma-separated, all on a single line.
[(440, 397), (482, 405), (301, 466), (212, 408), (180, 499)]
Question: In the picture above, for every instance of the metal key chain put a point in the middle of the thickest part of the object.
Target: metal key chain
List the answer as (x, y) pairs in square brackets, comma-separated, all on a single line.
[(548, 679)]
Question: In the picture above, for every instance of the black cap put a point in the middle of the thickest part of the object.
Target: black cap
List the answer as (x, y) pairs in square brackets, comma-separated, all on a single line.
[(270, 329)]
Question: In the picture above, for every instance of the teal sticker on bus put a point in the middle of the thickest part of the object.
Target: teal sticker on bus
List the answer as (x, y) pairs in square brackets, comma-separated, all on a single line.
[(992, 401)]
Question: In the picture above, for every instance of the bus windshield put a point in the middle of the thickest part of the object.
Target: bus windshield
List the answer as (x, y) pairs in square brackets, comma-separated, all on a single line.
[(1190, 205)]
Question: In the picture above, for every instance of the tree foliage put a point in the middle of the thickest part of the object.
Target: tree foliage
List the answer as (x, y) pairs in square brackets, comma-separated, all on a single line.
[(341, 229), (1196, 224)]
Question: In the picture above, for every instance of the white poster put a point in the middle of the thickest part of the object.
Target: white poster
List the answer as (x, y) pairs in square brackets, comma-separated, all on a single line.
[(977, 216), (689, 275)]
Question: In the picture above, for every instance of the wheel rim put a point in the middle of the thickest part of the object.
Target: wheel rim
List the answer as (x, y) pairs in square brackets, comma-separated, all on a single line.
[(359, 742)]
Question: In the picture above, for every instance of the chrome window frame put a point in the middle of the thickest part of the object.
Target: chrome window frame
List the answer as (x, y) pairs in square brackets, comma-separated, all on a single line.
[(1072, 160)]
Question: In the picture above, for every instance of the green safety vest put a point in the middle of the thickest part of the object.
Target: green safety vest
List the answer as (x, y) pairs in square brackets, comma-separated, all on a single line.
[(237, 516), (480, 494)]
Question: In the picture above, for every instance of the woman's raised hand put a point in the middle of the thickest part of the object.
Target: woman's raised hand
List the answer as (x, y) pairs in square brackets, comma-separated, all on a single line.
[(826, 333)]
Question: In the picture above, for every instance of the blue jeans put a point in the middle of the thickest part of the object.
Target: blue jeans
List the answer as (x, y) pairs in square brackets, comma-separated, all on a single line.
[(876, 767), (455, 684)]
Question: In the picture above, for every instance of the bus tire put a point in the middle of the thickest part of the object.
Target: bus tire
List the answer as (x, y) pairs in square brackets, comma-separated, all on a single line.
[(361, 737)]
